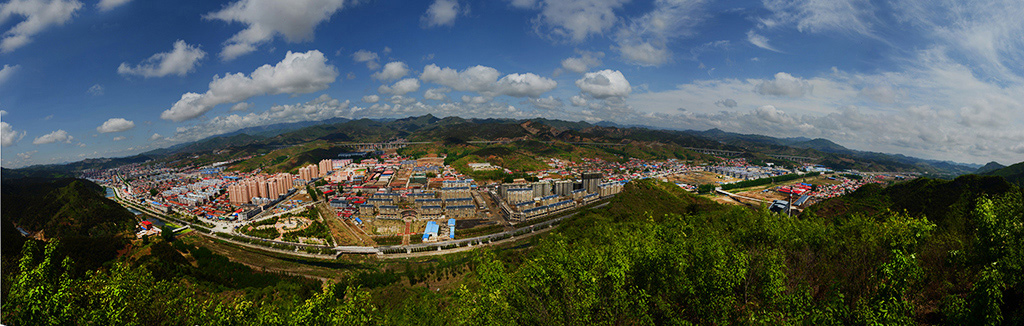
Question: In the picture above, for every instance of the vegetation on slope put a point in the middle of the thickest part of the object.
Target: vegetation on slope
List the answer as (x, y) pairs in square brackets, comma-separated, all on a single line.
[(654, 255), (1013, 174)]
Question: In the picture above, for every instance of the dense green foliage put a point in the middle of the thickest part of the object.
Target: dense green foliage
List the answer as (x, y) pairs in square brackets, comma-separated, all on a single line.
[(922, 252)]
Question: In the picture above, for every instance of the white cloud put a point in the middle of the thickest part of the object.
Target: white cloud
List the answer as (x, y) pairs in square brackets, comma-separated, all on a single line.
[(604, 84), (401, 87), (578, 101), (392, 71), (645, 40), (853, 17), (986, 34), (241, 106), (298, 73), (107, 5), (39, 15), (6, 72), (25, 156), (583, 63), (484, 80), (295, 21), (3, 113), (96, 90), (371, 98), (524, 85), (370, 58), (115, 125), (574, 20), (784, 85), (729, 103), (181, 60), (437, 94), (119, 138), (880, 94), (8, 136), (546, 103), (155, 137), (760, 41), (474, 99), (441, 13), (321, 108), (57, 136)]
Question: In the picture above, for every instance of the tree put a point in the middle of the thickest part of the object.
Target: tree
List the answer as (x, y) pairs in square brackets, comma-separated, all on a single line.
[(153, 192)]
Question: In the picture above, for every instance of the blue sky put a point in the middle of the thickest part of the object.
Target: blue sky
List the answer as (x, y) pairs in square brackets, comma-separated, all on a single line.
[(933, 79)]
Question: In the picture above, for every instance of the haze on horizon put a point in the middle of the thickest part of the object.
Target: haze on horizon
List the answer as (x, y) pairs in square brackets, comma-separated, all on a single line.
[(931, 79)]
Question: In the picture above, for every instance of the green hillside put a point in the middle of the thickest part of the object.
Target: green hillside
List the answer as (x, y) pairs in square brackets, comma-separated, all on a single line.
[(653, 255), (1013, 173)]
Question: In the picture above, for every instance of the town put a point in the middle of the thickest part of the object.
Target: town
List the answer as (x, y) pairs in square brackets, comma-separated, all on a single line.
[(388, 203)]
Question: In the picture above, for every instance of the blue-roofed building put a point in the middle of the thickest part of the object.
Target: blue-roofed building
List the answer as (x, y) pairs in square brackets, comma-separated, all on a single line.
[(430, 230), (451, 228)]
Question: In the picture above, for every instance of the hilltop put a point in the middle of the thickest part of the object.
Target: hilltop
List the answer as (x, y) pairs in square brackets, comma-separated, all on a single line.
[(1013, 173), (286, 144)]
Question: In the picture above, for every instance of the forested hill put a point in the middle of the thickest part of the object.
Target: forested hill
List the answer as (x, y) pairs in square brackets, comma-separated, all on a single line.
[(653, 255), (1013, 173), (75, 211)]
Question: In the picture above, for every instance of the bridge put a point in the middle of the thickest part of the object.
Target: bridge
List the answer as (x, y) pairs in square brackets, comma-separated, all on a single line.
[(181, 229), (722, 152), (486, 142), (382, 145)]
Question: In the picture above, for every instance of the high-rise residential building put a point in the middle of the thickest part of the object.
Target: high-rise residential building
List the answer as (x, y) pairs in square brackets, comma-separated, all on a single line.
[(591, 182), (325, 167), (238, 194)]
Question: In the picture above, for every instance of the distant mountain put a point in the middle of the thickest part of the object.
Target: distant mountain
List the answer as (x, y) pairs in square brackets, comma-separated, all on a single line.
[(1013, 174), (991, 166), (839, 157)]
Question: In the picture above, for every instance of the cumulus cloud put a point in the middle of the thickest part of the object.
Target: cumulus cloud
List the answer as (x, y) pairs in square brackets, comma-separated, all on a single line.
[(484, 80), (371, 98), (96, 90), (57, 136), (241, 106), (524, 85), (298, 73), (27, 155), (441, 13), (784, 85), (321, 108), (546, 103), (181, 60), (107, 5), (729, 103), (760, 41), (392, 71), (119, 138), (401, 87), (295, 21), (604, 84), (8, 136), (474, 99), (578, 101), (367, 57), (437, 94), (155, 137), (39, 15), (6, 72), (115, 125), (583, 63)]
